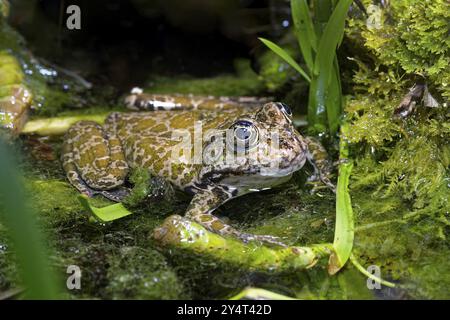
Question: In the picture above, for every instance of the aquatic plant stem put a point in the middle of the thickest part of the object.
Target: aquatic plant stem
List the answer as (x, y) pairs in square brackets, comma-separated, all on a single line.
[(369, 275), (344, 229), (403, 219)]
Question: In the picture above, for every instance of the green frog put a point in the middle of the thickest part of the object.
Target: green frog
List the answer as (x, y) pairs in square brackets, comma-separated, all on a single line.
[(215, 148)]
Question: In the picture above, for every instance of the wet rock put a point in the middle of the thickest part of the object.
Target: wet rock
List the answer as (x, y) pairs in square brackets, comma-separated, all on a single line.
[(15, 98)]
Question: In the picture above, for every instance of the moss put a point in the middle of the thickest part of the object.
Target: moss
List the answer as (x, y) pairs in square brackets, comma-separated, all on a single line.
[(142, 273), (148, 189), (9, 277), (113, 263), (244, 82), (411, 37), (399, 185)]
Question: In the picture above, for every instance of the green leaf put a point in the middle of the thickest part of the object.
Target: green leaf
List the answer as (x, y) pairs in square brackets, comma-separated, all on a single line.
[(286, 57), (317, 117), (38, 278), (105, 214), (330, 38), (325, 97), (333, 100), (304, 28), (344, 229)]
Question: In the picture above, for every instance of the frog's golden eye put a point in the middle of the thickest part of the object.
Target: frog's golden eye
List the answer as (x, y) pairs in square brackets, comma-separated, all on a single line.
[(244, 136)]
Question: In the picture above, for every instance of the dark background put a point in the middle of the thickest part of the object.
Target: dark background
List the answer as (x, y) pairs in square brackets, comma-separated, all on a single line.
[(122, 41)]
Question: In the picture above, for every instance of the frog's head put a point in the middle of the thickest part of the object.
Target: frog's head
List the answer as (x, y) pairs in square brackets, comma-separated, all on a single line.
[(255, 151)]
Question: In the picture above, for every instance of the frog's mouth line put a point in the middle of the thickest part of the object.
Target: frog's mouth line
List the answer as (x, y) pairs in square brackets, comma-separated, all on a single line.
[(294, 165), (255, 176)]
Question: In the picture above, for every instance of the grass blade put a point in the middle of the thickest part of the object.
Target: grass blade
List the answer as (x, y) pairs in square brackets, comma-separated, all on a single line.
[(344, 229), (286, 57), (331, 36), (317, 117), (305, 33), (39, 282), (325, 97), (334, 99)]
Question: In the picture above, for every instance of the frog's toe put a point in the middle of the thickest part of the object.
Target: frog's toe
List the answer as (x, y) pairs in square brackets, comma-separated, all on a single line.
[(88, 193), (246, 237), (318, 185)]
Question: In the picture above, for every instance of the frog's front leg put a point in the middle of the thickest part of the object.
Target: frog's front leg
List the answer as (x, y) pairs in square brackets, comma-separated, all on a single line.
[(206, 201), (93, 160), (318, 157)]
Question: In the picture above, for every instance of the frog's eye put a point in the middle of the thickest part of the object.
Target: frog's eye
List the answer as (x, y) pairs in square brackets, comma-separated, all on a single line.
[(243, 136), (285, 109)]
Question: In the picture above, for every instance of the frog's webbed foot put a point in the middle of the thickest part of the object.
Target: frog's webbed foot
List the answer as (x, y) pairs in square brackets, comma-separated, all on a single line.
[(319, 183), (316, 186), (206, 201), (318, 157)]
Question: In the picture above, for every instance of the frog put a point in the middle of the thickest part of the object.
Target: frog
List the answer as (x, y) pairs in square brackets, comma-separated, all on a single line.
[(257, 134)]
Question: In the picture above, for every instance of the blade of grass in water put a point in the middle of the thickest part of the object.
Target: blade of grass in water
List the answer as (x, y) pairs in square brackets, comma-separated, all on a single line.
[(325, 95), (22, 227), (344, 229), (334, 99), (330, 38), (305, 33), (286, 57)]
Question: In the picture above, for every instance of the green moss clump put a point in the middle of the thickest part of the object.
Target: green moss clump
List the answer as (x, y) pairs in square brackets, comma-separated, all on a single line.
[(415, 36), (148, 188), (116, 259), (9, 277), (399, 184), (244, 83), (410, 36), (142, 273)]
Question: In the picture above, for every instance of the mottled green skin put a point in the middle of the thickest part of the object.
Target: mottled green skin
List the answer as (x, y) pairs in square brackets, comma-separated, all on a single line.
[(98, 159)]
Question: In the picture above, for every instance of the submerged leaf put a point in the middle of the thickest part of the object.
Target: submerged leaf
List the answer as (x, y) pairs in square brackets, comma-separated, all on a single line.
[(105, 214)]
